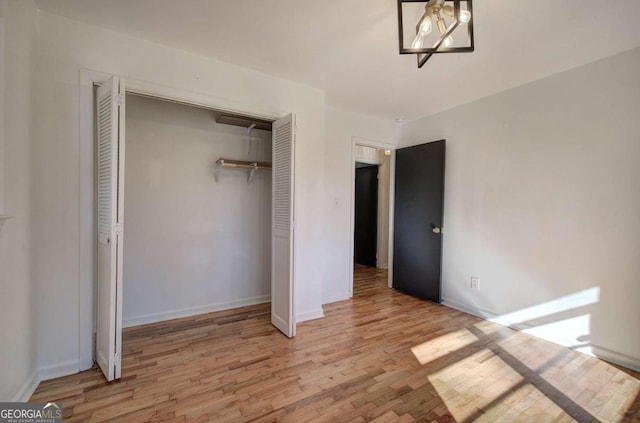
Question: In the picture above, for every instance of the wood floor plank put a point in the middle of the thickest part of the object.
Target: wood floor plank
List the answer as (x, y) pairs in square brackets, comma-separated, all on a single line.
[(381, 356)]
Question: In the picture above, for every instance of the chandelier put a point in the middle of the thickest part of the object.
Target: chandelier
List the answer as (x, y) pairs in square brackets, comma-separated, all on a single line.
[(435, 26)]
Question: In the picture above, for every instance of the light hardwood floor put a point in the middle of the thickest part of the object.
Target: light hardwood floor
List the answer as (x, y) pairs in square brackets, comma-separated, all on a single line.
[(382, 356)]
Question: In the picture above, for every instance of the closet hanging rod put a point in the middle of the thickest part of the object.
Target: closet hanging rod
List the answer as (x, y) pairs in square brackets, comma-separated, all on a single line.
[(243, 164)]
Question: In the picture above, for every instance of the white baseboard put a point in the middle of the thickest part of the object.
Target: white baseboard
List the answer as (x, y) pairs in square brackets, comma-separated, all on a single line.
[(192, 311), (58, 370), (483, 314), (603, 353), (27, 389), (309, 315), (44, 373), (624, 360), (467, 309)]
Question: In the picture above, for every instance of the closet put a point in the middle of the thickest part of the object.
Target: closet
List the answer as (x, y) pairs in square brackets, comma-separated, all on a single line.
[(187, 218), (197, 211), (201, 224)]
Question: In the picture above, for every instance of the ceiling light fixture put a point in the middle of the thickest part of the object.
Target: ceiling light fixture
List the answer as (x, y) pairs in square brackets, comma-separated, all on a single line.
[(453, 22)]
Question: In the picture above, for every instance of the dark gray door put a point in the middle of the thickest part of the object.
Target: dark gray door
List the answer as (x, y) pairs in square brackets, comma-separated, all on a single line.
[(365, 246), (417, 237)]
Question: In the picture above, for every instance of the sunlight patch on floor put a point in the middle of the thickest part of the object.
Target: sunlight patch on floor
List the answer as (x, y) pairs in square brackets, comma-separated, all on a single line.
[(443, 345), (596, 387), (482, 386), (490, 328)]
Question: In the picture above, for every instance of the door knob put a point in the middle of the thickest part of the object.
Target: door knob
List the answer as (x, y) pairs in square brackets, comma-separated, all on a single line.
[(436, 230)]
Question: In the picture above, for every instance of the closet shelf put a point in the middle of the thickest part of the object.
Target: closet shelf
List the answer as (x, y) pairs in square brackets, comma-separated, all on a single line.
[(251, 167)]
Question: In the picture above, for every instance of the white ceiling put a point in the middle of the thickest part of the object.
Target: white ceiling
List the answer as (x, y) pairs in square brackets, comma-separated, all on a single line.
[(349, 48)]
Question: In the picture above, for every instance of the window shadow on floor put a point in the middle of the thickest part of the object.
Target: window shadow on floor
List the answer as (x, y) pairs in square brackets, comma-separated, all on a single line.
[(633, 411), (449, 353)]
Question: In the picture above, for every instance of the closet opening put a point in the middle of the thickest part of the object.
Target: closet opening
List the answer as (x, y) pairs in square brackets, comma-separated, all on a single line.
[(192, 213), (197, 211)]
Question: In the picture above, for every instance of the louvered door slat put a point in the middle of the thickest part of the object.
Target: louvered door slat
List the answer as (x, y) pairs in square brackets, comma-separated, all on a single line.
[(282, 172), (105, 163)]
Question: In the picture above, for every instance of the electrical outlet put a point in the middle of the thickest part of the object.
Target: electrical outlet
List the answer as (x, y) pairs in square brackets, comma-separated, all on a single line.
[(475, 283)]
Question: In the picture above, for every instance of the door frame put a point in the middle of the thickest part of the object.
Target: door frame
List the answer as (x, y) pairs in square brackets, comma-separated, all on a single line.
[(87, 238), (352, 208)]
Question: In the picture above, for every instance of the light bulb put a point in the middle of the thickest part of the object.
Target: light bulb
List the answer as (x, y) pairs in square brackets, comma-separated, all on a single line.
[(417, 42), (425, 27), (448, 42)]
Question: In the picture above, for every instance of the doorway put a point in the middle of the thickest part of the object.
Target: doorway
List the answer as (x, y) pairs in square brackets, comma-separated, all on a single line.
[(415, 215), (371, 211)]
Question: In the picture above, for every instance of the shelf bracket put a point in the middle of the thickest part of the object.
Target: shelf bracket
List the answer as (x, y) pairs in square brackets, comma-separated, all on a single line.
[(252, 172)]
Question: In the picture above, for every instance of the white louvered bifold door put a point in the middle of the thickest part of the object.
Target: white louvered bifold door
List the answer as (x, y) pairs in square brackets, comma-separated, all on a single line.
[(282, 296), (110, 163)]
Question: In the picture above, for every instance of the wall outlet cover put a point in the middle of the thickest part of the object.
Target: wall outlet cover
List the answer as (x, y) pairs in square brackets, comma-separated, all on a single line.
[(475, 283)]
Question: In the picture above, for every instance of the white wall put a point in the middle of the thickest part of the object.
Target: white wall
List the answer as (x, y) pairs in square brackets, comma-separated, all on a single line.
[(342, 127), (192, 245), (17, 303), (68, 46), (542, 201)]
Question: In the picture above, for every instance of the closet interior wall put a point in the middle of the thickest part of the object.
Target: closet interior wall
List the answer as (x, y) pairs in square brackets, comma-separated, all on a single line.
[(192, 245)]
